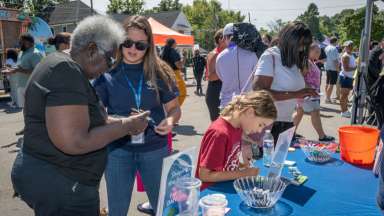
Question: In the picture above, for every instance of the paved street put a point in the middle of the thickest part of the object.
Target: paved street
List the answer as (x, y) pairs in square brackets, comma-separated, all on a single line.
[(195, 120)]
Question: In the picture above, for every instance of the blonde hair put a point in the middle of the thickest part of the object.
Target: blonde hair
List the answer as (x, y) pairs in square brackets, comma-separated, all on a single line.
[(260, 101), (154, 67)]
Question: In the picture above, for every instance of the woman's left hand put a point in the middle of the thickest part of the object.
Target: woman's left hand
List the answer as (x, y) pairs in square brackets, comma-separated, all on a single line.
[(164, 127)]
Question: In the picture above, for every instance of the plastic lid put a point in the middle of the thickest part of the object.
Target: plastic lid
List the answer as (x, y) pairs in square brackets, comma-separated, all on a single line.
[(188, 183), (214, 200)]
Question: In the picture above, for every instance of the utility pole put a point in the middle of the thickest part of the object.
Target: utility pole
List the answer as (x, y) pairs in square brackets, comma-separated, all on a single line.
[(249, 17), (92, 11), (77, 11)]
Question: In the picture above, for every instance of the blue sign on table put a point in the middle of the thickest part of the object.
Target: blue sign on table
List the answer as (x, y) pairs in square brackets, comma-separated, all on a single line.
[(182, 164)]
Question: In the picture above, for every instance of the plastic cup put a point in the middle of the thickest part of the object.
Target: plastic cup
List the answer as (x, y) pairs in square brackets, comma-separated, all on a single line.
[(213, 205), (186, 193)]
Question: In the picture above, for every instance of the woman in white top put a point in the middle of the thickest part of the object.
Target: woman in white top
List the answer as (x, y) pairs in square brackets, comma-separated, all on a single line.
[(348, 67), (280, 71)]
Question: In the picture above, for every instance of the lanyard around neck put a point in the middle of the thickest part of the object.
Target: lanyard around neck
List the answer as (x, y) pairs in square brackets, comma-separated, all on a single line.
[(137, 92)]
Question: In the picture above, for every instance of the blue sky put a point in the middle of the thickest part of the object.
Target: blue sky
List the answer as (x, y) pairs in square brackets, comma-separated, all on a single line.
[(263, 12)]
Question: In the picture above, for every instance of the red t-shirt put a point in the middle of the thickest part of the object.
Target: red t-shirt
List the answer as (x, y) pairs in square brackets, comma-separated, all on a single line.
[(220, 148)]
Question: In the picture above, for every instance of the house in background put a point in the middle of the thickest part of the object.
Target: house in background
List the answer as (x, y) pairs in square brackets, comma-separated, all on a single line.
[(175, 20), (64, 17)]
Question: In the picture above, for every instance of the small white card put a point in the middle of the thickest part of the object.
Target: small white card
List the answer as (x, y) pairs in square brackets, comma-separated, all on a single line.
[(137, 139)]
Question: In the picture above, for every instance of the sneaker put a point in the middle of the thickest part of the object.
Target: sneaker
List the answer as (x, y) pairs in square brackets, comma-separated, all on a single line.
[(328, 101), (19, 133), (346, 114), (327, 139), (298, 136), (145, 208)]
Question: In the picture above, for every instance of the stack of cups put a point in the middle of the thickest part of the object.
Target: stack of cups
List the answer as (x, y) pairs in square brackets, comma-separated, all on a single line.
[(213, 205)]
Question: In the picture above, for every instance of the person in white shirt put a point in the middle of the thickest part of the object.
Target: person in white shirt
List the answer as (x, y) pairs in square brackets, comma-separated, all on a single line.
[(235, 66), (348, 67), (279, 71), (11, 60), (332, 67)]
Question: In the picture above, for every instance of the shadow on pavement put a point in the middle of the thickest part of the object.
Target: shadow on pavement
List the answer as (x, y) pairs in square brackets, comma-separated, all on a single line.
[(187, 130), (4, 107), (327, 109)]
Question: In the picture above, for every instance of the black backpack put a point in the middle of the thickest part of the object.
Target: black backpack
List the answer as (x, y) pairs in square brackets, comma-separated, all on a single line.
[(246, 36), (375, 100)]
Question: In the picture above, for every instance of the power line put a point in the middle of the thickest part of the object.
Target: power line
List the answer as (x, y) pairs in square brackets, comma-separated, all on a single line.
[(297, 9)]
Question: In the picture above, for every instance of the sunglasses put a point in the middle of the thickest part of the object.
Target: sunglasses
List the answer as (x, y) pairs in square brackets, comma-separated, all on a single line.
[(109, 58), (139, 45)]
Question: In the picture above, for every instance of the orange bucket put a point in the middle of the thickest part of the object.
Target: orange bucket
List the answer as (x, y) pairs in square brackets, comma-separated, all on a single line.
[(358, 144)]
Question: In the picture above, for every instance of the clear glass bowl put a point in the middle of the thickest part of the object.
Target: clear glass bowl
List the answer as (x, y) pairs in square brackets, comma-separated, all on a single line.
[(316, 153), (260, 191)]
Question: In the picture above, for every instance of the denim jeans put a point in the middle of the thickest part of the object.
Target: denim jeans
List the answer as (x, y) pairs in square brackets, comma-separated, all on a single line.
[(120, 174), (48, 192)]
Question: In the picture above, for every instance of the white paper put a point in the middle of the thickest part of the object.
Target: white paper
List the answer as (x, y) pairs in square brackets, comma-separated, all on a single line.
[(281, 151), (137, 139)]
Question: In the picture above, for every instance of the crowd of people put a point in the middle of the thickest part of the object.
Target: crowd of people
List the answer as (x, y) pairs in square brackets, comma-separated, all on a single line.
[(106, 101)]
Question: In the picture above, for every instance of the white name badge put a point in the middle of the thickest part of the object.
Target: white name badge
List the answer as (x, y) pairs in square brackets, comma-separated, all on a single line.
[(137, 139)]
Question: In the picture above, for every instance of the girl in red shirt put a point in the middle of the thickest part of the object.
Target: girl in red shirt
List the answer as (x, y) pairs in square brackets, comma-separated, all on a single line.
[(221, 157)]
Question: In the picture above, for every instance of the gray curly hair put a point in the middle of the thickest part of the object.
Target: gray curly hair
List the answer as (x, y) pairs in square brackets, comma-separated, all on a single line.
[(101, 30)]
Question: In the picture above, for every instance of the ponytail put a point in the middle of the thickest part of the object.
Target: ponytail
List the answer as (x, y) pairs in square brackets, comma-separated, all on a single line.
[(260, 101)]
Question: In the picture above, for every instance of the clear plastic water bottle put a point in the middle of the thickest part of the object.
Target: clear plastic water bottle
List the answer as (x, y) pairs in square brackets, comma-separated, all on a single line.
[(268, 144)]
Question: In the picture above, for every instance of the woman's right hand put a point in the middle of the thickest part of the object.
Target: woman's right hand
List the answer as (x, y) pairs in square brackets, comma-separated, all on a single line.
[(137, 123), (307, 92), (250, 171)]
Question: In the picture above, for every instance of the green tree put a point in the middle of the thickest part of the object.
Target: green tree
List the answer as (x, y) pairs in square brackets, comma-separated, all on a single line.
[(130, 7), (15, 4), (275, 26), (169, 5), (352, 24), (263, 31), (311, 18), (32, 7), (165, 5), (40, 8), (327, 26), (206, 17)]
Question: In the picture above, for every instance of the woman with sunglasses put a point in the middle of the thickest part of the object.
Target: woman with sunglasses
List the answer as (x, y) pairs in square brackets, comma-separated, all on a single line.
[(139, 82)]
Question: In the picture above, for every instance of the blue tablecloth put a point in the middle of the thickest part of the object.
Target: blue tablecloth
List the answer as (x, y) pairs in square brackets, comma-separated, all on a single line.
[(336, 188)]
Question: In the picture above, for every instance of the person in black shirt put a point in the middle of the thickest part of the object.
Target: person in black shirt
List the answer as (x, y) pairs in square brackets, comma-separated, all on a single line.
[(198, 70), (63, 157), (375, 64), (170, 55)]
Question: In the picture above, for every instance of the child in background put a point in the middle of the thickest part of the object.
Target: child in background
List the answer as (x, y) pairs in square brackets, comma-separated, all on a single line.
[(312, 105), (221, 157)]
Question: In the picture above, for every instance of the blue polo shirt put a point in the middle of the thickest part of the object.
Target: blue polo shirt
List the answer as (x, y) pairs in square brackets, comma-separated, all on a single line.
[(119, 98)]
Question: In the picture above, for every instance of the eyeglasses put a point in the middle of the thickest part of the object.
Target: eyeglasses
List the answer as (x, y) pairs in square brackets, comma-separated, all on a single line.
[(139, 45), (109, 58)]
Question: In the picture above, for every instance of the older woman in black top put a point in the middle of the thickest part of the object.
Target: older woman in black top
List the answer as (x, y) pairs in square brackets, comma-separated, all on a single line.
[(63, 157)]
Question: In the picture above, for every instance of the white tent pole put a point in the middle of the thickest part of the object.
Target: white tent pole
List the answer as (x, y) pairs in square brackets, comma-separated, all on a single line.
[(360, 87)]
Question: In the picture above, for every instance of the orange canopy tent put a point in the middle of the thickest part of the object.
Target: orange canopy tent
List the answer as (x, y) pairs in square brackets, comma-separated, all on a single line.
[(161, 33)]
